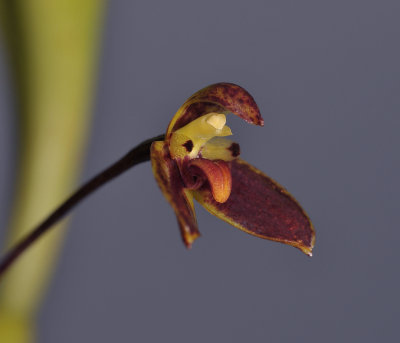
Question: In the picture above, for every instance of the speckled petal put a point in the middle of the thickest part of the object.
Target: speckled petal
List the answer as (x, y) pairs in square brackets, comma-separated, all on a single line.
[(169, 180), (261, 207), (221, 98)]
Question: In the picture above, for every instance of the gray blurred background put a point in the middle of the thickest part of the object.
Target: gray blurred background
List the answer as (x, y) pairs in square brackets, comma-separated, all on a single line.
[(326, 76)]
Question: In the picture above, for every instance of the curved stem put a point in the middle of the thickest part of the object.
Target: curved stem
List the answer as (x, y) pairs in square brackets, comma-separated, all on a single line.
[(139, 154)]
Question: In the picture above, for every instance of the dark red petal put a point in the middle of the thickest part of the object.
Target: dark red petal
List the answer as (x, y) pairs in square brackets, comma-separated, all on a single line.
[(261, 207), (219, 97), (169, 180)]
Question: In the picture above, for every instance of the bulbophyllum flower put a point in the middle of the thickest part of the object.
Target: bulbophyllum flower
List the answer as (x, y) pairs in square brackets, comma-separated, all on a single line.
[(196, 161)]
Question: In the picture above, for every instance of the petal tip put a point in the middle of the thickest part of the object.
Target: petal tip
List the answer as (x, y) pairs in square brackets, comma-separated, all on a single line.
[(240, 102), (307, 249), (189, 239)]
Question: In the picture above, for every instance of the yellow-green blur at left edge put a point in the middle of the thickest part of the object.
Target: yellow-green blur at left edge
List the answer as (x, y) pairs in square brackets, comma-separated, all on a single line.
[(52, 48)]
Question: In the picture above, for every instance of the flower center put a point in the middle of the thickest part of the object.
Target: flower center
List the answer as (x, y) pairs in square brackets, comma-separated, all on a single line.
[(190, 139), (199, 171), (203, 155)]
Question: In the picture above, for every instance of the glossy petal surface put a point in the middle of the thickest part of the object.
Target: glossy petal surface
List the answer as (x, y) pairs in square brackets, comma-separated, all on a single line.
[(169, 180), (261, 207), (221, 98), (218, 176)]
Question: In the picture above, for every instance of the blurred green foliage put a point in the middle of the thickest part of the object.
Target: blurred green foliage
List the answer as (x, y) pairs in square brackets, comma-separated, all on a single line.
[(53, 50)]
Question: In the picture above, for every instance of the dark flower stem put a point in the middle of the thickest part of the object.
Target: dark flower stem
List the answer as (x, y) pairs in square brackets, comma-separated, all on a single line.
[(139, 154)]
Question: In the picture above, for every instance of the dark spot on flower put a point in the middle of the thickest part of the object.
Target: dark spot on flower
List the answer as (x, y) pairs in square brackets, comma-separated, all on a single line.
[(234, 149), (188, 145)]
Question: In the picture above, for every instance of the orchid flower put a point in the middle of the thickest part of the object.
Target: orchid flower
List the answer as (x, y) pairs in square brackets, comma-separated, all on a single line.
[(196, 161), (193, 160)]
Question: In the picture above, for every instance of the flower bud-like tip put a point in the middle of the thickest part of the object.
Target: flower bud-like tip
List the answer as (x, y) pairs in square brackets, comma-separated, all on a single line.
[(217, 120)]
